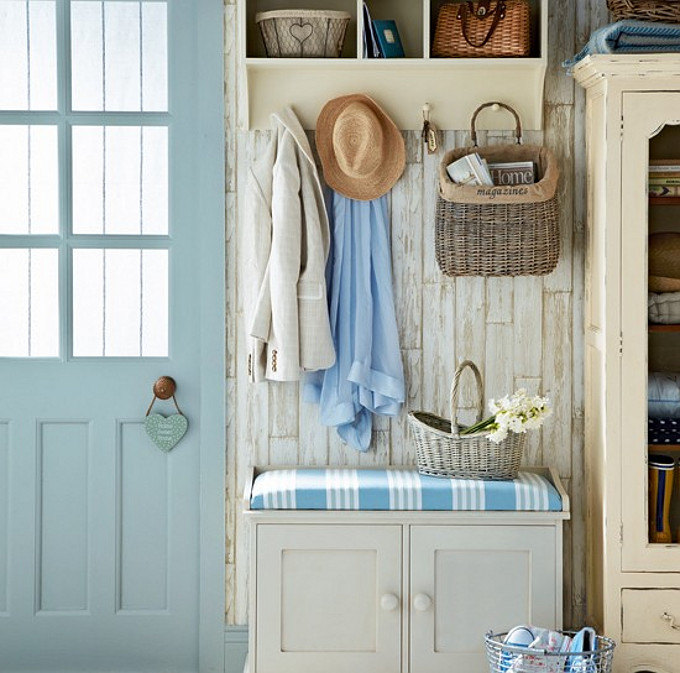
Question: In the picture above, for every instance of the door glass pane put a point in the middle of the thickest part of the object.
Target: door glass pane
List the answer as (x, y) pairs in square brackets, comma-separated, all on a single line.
[(119, 55), (120, 302), (120, 180), (29, 302), (663, 328), (29, 183), (28, 55)]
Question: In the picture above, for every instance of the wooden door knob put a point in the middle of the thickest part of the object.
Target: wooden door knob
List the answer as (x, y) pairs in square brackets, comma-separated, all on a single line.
[(164, 388)]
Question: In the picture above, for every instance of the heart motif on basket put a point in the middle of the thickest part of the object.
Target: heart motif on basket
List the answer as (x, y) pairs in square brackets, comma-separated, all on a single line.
[(301, 31), (166, 432)]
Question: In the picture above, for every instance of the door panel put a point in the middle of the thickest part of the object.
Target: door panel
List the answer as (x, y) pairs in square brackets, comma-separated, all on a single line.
[(645, 115), (106, 559), (104, 547), (319, 592), (476, 578), (62, 512)]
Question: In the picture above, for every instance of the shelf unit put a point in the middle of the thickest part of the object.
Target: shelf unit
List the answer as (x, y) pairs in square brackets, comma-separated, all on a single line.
[(453, 87), (633, 116)]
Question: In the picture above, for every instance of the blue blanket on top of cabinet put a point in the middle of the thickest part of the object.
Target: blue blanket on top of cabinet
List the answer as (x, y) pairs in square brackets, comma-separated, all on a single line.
[(356, 489), (630, 37)]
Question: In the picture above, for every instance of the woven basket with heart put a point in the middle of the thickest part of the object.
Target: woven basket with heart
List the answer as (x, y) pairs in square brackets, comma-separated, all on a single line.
[(300, 33)]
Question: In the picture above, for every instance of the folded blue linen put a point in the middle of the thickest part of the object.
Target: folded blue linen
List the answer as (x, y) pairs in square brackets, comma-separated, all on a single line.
[(630, 37)]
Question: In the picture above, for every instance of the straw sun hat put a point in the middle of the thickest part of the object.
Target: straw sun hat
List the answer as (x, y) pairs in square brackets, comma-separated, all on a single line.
[(361, 149), (664, 262)]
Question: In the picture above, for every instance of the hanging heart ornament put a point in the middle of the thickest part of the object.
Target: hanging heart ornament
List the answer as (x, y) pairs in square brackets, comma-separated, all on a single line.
[(166, 432)]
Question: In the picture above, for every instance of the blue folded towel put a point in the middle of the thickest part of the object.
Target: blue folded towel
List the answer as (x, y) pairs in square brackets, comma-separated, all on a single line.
[(583, 642), (630, 37)]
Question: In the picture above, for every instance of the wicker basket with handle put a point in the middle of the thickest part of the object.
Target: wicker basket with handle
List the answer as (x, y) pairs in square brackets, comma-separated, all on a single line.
[(499, 230), (488, 28), (667, 11), (443, 452)]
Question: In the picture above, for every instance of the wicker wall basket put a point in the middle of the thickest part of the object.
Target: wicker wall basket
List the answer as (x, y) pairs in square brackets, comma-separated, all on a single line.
[(300, 33), (503, 230), (667, 11), (442, 451)]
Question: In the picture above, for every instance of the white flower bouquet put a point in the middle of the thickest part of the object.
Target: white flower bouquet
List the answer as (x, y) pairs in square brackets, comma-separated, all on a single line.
[(513, 413)]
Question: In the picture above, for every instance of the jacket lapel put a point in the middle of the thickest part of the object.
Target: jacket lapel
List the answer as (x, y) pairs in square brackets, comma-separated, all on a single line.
[(286, 117)]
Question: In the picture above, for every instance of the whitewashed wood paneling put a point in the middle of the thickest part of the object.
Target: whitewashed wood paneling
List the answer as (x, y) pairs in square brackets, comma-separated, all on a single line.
[(523, 332)]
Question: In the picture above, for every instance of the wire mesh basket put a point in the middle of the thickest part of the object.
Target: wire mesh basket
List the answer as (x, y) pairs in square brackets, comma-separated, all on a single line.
[(504, 658), (303, 33), (667, 11)]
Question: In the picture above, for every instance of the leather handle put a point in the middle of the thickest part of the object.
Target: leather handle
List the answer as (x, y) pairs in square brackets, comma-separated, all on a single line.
[(473, 129), (482, 12)]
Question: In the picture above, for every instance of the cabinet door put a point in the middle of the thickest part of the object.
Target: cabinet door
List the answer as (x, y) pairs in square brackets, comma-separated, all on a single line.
[(650, 130), (467, 580), (328, 599)]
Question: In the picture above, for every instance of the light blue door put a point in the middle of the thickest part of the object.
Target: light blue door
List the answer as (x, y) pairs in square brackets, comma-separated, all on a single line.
[(111, 275)]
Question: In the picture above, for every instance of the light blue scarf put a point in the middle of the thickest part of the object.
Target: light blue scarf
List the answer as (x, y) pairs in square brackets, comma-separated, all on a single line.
[(367, 377)]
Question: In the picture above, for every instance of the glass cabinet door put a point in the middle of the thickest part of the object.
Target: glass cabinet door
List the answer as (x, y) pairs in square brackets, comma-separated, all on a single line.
[(650, 331)]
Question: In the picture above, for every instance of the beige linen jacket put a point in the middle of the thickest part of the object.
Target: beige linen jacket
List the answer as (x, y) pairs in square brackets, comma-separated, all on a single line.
[(287, 240)]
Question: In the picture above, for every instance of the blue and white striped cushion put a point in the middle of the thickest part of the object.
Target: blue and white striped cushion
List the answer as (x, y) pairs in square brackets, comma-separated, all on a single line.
[(351, 489)]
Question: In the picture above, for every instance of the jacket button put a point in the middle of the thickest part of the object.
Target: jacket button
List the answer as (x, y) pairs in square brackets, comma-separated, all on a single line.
[(250, 365), (273, 361)]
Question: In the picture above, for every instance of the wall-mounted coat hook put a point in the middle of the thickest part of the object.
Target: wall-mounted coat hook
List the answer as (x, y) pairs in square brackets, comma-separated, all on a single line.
[(429, 133)]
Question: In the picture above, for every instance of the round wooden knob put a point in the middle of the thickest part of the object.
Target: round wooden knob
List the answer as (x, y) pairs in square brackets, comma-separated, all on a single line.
[(389, 602), (164, 388), (422, 602)]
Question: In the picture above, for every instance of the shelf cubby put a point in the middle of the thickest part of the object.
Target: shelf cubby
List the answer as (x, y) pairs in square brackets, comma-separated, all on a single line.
[(454, 87)]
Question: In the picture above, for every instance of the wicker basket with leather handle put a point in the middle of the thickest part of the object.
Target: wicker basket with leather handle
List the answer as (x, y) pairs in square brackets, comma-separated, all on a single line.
[(667, 11), (488, 28), (499, 230)]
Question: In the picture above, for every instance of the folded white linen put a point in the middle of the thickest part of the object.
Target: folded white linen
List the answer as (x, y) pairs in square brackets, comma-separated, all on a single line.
[(664, 308)]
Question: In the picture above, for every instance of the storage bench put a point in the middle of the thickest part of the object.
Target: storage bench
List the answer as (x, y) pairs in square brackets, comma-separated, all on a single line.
[(386, 570)]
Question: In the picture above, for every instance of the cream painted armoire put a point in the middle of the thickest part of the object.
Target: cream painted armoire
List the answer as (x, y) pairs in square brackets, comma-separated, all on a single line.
[(632, 118)]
